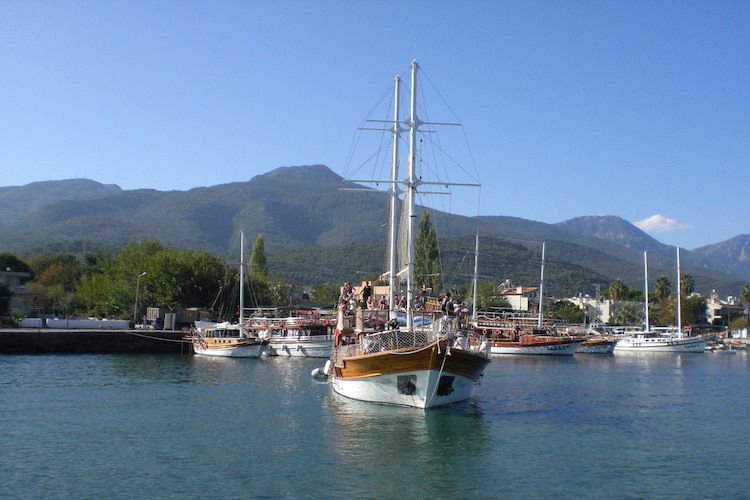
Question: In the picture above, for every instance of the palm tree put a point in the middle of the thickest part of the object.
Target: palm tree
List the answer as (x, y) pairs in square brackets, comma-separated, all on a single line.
[(687, 285), (663, 288), (618, 290)]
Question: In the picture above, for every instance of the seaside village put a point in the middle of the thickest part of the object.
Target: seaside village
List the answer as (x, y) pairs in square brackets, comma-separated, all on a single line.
[(524, 300)]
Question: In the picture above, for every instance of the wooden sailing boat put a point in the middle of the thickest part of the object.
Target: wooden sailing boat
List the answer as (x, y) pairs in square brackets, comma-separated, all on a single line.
[(229, 340), (511, 335), (427, 363)]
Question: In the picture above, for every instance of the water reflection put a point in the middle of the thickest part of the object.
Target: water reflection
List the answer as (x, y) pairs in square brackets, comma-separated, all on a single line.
[(368, 438)]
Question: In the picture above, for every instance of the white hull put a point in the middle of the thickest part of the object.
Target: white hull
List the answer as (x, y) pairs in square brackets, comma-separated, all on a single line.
[(251, 351), (660, 344), (299, 348), (383, 389), (547, 350)]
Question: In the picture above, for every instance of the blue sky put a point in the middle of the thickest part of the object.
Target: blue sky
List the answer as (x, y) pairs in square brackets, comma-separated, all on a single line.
[(639, 109)]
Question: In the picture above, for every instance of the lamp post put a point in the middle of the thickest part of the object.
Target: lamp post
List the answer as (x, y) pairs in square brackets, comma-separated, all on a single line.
[(137, 288)]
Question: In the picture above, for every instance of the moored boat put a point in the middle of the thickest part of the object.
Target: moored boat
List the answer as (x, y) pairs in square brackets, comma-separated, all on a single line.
[(228, 340), (427, 363), (661, 339), (294, 332), (597, 344), (509, 333), (519, 337)]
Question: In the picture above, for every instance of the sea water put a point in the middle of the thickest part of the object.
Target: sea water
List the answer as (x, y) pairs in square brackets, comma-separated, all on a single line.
[(147, 426)]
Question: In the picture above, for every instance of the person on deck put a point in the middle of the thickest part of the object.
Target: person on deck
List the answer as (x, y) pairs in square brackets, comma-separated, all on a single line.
[(366, 294)]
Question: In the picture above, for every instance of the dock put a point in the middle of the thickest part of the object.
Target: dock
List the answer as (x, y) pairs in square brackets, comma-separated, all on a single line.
[(82, 341)]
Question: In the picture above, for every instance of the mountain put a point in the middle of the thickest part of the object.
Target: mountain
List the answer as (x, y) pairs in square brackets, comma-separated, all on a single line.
[(731, 256), (19, 201), (314, 231), (614, 229)]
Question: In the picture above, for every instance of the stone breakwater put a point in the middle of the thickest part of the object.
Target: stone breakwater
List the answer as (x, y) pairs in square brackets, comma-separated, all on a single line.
[(44, 341)]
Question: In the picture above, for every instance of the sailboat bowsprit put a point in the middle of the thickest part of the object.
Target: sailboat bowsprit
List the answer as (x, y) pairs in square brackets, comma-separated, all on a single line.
[(428, 362)]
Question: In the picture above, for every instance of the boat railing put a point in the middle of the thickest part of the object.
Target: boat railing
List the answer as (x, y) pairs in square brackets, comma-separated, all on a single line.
[(388, 340), (395, 340), (290, 323)]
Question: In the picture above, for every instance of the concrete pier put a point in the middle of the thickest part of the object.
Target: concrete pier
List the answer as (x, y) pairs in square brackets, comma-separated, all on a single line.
[(46, 341)]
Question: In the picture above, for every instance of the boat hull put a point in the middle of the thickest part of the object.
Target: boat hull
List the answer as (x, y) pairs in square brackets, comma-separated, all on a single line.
[(661, 344), (228, 348), (301, 348), (597, 347), (422, 378), (558, 347)]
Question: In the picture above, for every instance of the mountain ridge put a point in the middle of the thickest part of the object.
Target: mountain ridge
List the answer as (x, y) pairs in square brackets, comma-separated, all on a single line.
[(303, 206)]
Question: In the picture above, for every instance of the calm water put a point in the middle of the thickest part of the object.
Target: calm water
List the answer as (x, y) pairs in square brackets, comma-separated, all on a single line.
[(624, 426)]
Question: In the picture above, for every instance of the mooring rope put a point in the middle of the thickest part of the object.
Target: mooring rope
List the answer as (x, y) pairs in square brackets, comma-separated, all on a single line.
[(442, 367), (182, 341)]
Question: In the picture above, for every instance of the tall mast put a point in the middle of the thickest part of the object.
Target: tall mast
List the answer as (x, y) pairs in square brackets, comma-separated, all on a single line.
[(392, 234), (645, 287), (476, 269), (242, 283), (679, 297), (410, 189), (541, 290)]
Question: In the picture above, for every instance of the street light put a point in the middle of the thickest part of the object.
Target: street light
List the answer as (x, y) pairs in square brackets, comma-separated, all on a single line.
[(137, 288)]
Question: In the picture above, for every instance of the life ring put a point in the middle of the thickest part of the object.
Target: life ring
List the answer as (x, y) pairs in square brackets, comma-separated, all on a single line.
[(484, 331), (473, 327), (325, 322)]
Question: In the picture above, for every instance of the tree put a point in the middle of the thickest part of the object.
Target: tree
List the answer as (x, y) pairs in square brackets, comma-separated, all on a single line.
[(173, 279), (9, 262), (618, 290), (568, 312), (694, 310), (664, 312), (325, 293), (258, 262), (627, 315), (687, 285), (663, 288), (55, 280), (426, 256)]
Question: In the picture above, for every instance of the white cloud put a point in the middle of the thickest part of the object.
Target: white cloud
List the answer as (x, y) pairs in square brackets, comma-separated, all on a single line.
[(659, 224)]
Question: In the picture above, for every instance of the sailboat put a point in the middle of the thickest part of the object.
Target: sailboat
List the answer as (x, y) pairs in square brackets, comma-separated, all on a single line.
[(509, 334), (225, 339), (660, 339), (426, 363)]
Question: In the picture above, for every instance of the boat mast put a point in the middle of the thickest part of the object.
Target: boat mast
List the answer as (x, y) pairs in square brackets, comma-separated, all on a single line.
[(392, 234), (242, 283), (474, 284), (409, 196), (645, 287), (541, 290), (679, 297)]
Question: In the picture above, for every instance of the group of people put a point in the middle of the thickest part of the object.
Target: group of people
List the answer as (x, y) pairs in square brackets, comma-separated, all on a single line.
[(451, 305)]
